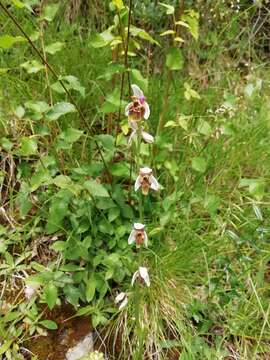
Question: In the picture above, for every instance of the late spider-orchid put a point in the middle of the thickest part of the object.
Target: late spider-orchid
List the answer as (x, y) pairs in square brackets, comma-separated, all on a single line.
[(138, 108), (146, 181), (142, 276), (138, 235)]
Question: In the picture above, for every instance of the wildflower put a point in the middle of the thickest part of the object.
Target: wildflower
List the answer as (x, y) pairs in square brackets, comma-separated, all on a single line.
[(146, 180), (142, 275), (122, 299), (148, 138), (138, 235), (30, 291), (138, 108)]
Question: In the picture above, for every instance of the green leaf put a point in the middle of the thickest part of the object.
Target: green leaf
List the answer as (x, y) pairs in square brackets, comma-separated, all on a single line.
[(71, 82), (138, 79), (55, 47), (50, 292), (32, 66), (169, 8), (58, 210), (5, 346), (96, 189), (71, 135), (6, 41), (6, 144), (59, 245), (60, 109), (37, 106), (199, 164), (113, 214), (50, 12), (49, 324), (190, 93), (135, 31), (28, 146), (90, 289), (174, 59), (107, 141), (204, 128), (120, 169)]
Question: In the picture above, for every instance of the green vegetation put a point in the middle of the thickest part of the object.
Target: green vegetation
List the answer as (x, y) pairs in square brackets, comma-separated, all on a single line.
[(67, 175)]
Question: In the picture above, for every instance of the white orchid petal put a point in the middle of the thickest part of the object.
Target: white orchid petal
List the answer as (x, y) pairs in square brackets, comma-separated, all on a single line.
[(147, 110), (127, 108), (153, 183), (134, 277), (132, 135), (137, 183), (145, 239), (138, 226), (144, 275), (119, 297), (137, 91), (147, 137), (123, 303), (132, 237)]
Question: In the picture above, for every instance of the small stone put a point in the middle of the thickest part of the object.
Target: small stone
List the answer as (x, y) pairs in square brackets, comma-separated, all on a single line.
[(82, 349)]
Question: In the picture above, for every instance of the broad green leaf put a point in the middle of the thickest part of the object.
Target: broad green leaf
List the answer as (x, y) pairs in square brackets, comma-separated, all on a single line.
[(62, 181), (96, 189), (107, 141), (6, 144), (28, 146), (6, 41), (37, 106), (71, 83), (49, 324), (60, 109), (50, 12), (174, 59), (98, 40), (204, 128), (59, 246), (19, 111), (120, 169), (32, 66), (58, 210), (71, 135), (192, 20), (138, 79), (90, 289), (199, 164), (55, 47), (135, 31), (113, 214), (51, 293)]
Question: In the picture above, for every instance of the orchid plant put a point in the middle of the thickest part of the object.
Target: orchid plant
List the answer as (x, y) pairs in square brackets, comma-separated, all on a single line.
[(137, 112)]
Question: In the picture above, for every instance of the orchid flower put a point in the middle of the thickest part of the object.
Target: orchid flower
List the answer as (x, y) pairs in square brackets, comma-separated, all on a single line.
[(142, 275), (121, 299), (148, 138), (146, 181), (138, 108), (138, 235)]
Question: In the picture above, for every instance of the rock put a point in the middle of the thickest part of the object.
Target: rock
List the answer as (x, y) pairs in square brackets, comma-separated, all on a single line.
[(82, 349)]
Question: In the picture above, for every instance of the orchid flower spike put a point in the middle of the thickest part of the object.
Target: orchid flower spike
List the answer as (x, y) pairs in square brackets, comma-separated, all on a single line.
[(142, 276), (138, 108), (146, 181), (121, 299), (138, 235)]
